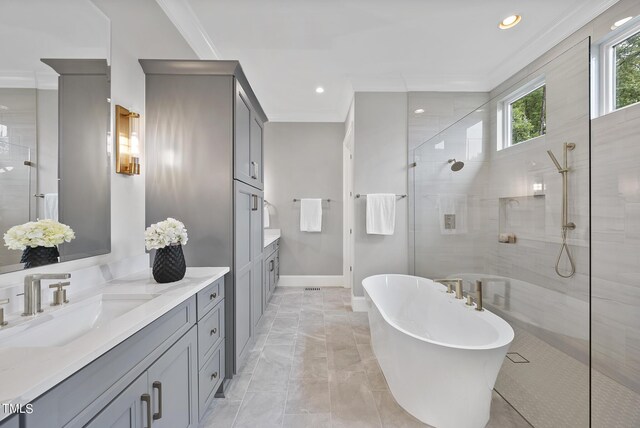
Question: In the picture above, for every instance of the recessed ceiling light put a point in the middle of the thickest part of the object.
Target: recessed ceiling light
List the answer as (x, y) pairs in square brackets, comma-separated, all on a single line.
[(319, 90), (621, 22), (509, 22), (419, 111)]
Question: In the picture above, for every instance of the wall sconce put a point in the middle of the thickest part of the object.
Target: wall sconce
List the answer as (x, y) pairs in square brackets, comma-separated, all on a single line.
[(127, 141)]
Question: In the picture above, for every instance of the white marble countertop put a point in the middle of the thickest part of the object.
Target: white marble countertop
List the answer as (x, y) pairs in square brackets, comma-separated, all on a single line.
[(28, 372), (270, 236)]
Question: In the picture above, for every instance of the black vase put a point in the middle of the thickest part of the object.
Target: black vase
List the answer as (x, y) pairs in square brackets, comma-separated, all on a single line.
[(169, 264), (39, 256)]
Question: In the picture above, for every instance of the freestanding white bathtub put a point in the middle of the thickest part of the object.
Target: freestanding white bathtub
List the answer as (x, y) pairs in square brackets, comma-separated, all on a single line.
[(439, 356)]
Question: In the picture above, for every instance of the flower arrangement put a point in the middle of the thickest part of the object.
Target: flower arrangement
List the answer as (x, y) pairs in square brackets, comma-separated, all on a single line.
[(41, 233), (165, 233)]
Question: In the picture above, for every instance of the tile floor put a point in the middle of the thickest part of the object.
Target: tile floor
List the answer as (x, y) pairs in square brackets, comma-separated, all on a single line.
[(312, 366), (553, 389)]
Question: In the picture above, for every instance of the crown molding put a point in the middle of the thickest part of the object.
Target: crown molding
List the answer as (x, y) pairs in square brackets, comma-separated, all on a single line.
[(185, 20)]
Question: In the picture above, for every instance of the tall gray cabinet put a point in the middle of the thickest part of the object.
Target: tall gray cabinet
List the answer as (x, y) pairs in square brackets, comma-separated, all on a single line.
[(204, 166)]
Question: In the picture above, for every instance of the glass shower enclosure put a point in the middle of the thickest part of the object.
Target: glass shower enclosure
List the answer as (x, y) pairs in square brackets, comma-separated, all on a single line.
[(493, 200)]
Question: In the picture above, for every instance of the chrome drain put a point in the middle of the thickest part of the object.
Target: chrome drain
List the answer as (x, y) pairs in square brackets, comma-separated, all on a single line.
[(312, 289)]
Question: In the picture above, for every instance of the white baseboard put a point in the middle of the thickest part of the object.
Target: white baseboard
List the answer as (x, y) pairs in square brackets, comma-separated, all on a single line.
[(358, 304), (311, 281)]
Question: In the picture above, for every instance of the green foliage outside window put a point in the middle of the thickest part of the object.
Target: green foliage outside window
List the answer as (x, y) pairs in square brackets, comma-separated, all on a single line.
[(529, 116), (628, 71)]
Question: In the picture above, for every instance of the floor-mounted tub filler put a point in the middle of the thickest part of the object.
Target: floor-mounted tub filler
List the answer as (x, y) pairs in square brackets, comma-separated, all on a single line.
[(440, 356)]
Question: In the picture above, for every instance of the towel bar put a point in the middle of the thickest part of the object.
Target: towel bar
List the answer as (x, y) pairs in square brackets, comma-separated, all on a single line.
[(358, 195), (297, 199)]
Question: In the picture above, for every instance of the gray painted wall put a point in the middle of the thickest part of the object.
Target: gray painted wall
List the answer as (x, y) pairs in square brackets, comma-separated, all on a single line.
[(304, 160), (380, 157)]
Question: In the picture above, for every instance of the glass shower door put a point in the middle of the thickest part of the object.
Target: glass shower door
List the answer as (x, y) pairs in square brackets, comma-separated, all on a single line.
[(499, 219), (16, 195)]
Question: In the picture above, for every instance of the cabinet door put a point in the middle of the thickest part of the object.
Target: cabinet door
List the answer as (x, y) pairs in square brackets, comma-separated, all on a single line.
[(247, 212), (256, 292), (271, 270), (257, 248), (257, 158), (257, 226), (243, 169), (265, 284), (245, 204), (277, 273), (173, 385), (130, 409), (242, 312)]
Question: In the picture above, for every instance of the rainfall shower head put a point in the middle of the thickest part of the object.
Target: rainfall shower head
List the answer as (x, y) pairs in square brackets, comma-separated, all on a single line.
[(456, 165)]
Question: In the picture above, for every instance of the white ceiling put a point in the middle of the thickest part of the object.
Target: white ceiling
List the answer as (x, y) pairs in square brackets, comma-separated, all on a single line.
[(289, 47), (35, 29)]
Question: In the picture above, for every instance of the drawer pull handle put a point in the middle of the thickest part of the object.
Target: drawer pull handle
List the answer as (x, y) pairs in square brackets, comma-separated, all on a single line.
[(213, 296), (214, 376), (213, 331), (158, 385), (146, 398)]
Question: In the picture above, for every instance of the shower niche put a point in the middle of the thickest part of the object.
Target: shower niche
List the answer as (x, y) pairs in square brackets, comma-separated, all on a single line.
[(521, 218)]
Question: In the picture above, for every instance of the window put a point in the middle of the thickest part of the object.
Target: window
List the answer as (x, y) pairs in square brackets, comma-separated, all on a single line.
[(523, 114), (627, 73), (618, 70)]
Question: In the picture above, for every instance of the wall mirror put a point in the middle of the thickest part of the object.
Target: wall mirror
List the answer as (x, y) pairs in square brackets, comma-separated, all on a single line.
[(54, 132)]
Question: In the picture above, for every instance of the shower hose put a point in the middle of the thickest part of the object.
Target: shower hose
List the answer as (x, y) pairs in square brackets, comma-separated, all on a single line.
[(565, 248)]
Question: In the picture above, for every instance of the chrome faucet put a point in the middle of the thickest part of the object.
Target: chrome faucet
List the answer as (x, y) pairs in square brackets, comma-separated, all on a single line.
[(33, 291), (455, 281)]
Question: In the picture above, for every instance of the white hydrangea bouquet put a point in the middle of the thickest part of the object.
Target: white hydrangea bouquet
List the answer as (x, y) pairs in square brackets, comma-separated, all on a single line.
[(165, 233), (38, 241), (41, 233), (167, 238)]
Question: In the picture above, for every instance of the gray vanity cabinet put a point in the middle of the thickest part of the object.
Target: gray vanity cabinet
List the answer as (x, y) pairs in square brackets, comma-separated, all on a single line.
[(127, 410), (206, 113), (167, 391)]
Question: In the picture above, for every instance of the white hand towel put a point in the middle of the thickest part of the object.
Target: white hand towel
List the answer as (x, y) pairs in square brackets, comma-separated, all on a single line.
[(265, 217), (381, 213), (51, 206), (311, 215)]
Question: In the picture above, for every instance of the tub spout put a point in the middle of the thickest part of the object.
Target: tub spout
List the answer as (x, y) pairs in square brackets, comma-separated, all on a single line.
[(457, 282)]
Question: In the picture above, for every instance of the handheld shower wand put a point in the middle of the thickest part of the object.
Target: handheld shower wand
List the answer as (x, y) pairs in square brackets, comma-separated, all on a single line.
[(566, 224)]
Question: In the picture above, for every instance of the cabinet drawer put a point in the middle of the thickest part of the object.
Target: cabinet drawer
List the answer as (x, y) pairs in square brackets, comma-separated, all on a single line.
[(210, 377), (210, 332), (209, 297)]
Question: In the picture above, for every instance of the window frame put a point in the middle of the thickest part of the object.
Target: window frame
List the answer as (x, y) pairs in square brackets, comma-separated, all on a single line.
[(605, 70), (505, 116)]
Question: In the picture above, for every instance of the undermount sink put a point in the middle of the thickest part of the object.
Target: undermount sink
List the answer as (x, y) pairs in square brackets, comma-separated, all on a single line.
[(66, 324)]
